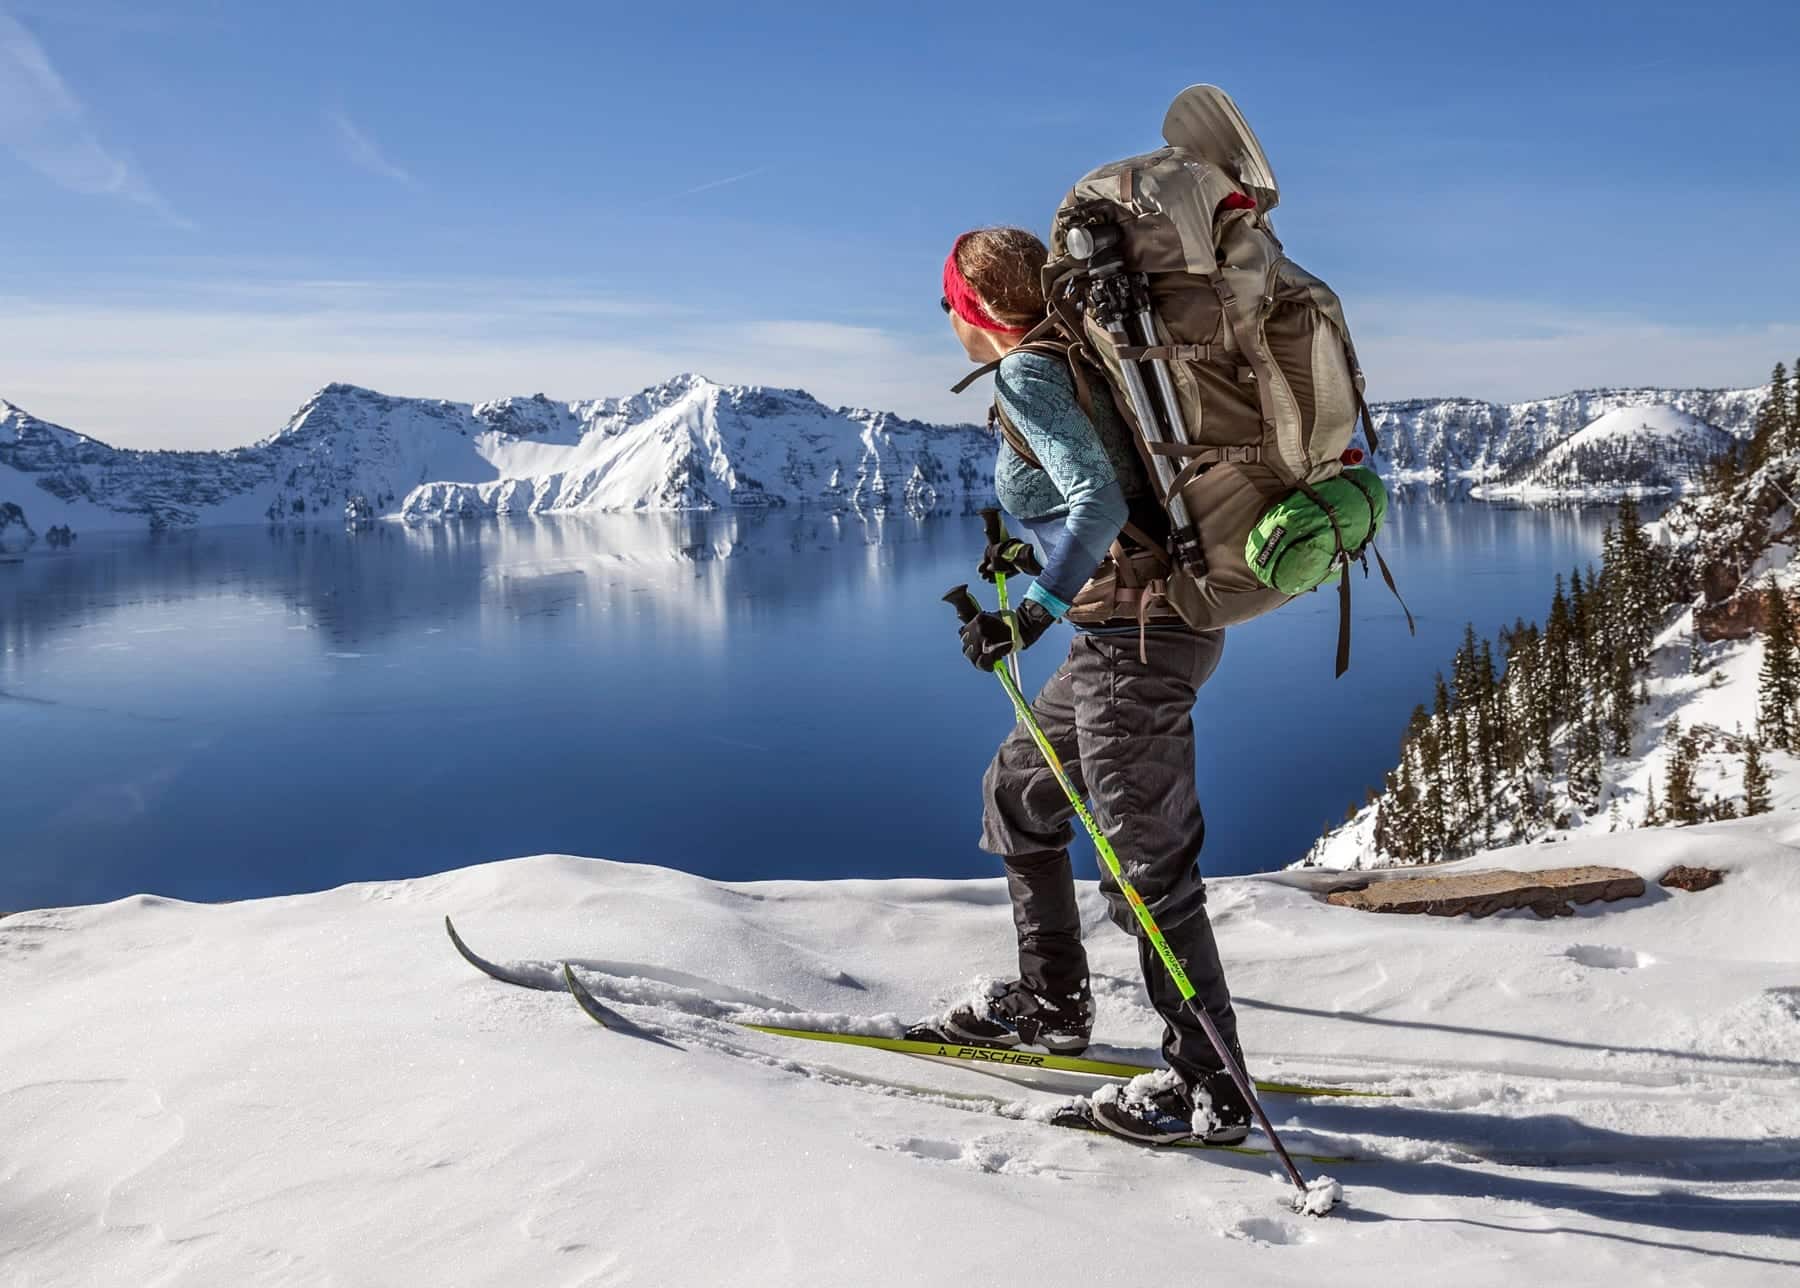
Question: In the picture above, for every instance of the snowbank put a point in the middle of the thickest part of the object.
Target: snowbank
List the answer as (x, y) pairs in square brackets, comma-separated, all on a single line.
[(317, 1089)]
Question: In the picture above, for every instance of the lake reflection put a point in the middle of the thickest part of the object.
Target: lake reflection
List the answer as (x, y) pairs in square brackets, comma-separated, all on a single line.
[(234, 712)]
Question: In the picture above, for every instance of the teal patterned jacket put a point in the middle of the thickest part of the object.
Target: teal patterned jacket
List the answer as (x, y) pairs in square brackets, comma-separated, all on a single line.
[(1077, 504)]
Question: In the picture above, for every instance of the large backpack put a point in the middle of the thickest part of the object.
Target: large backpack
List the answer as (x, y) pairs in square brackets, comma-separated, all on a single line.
[(1167, 287)]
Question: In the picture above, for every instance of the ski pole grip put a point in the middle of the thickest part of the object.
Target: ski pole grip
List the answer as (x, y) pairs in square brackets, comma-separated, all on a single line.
[(994, 525), (959, 598)]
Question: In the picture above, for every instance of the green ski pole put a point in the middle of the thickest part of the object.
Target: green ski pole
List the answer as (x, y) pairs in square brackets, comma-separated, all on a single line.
[(995, 528), (966, 610)]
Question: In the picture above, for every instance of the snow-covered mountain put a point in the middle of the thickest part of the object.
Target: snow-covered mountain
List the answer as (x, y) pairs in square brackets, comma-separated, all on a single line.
[(687, 444), (1445, 440), (1642, 450), (693, 445)]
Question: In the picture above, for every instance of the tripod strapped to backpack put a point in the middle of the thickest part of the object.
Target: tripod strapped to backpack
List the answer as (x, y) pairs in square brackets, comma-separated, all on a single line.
[(1167, 290)]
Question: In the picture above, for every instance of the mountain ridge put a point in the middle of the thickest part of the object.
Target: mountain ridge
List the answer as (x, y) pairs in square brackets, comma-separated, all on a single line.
[(687, 443)]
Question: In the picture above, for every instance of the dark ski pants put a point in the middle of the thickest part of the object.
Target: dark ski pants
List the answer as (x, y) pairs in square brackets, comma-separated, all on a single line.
[(1125, 732)]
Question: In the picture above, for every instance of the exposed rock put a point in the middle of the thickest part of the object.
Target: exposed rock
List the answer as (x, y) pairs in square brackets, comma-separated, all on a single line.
[(1738, 618), (1719, 581), (1550, 893), (1683, 877), (16, 535)]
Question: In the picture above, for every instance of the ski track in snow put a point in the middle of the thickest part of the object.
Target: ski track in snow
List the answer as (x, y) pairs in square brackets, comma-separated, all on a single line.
[(317, 1088)]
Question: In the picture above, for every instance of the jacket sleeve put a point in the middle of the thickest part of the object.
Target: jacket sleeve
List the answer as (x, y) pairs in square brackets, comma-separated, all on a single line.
[(1038, 395)]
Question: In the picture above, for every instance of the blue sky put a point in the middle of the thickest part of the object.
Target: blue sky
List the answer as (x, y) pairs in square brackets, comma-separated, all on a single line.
[(208, 210)]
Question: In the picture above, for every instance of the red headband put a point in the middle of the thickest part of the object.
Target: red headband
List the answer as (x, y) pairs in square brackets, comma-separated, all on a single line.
[(965, 303)]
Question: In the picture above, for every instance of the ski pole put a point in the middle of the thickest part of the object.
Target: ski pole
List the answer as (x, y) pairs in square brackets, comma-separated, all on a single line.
[(966, 610), (996, 533)]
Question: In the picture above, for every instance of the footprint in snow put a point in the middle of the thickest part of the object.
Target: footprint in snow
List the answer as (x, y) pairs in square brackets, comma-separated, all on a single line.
[(982, 1154), (1268, 1231), (1606, 957)]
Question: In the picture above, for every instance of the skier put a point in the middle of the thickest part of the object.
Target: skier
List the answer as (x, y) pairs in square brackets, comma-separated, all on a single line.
[(1118, 712)]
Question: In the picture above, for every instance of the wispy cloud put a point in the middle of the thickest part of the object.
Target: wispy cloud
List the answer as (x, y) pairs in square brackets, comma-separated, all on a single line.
[(708, 186), (362, 150), (45, 126), (720, 183)]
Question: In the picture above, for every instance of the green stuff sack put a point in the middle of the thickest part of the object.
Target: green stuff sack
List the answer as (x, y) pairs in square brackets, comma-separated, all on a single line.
[(1293, 547)]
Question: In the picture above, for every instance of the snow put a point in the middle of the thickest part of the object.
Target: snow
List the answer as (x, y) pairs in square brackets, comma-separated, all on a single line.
[(1322, 1194), (1653, 421), (317, 1089)]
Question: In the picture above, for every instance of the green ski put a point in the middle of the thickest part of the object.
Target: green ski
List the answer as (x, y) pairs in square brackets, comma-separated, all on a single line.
[(995, 1060), (1072, 1117), (999, 1060)]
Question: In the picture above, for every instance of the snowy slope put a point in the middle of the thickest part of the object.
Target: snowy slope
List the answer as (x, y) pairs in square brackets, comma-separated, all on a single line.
[(688, 444), (1649, 450), (1462, 439), (316, 1089)]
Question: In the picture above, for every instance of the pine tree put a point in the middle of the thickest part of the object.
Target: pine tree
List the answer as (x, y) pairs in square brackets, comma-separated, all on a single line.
[(1652, 814), (1434, 822), (1632, 585), (1390, 810), (1756, 780), (1489, 734), (1723, 473), (1562, 645), (1621, 697), (1521, 677), (1583, 627), (1682, 795), (1774, 434), (1462, 801), (1793, 434), (1778, 686), (1585, 761)]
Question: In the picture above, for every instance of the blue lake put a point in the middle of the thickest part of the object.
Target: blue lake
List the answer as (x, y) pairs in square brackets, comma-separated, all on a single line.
[(228, 713)]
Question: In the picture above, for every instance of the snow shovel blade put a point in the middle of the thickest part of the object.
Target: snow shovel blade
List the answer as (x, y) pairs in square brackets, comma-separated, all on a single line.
[(1205, 121)]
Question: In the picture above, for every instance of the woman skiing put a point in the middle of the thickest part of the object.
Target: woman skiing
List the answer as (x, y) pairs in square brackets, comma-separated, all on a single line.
[(1118, 711)]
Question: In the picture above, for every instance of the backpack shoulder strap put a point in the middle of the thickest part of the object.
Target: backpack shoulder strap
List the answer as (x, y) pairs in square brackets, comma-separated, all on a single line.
[(1070, 356), (998, 419), (1034, 340), (1368, 419)]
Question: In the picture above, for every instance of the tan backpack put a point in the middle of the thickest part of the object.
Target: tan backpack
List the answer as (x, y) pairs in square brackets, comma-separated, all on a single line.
[(1232, 364)]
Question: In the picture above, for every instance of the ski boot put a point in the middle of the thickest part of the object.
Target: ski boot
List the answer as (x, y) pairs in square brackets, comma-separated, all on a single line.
[(1013, 1014), (1161, 1108)]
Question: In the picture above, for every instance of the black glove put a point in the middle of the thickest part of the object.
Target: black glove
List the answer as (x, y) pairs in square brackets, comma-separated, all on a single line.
[(986, 637), (1010, 557)]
